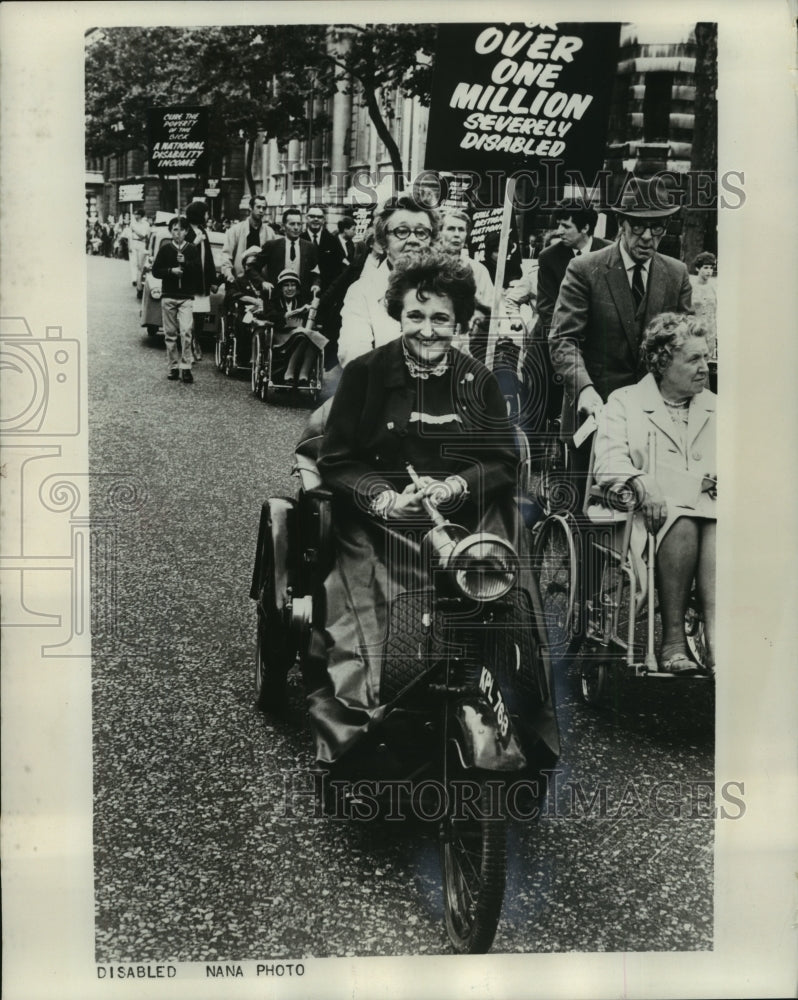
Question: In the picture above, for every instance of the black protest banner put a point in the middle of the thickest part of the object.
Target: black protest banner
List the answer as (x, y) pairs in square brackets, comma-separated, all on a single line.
[(177, 139), (506, 96)]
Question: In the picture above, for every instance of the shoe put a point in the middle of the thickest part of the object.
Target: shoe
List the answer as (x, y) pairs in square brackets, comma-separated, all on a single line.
[(290, 380), (174, 375), (679, 664), (187, 376), (302, 382)]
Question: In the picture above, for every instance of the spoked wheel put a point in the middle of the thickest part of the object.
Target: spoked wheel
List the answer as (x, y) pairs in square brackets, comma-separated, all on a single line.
[(220, 348), (555, 560), (474, 862), (229, 364), (255, 365)]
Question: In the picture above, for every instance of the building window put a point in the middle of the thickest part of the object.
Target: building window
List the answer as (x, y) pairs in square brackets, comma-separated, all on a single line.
[(657, 107)]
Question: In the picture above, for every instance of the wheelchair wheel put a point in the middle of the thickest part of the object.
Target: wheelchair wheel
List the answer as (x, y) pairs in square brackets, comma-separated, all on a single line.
[(220, 347), (276, 647), (255, 365), (555, 561), (593, 682), (274, 657), (474, 863)]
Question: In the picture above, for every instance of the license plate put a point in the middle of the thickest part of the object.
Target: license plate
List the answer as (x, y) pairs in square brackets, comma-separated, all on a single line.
[(493, 696)]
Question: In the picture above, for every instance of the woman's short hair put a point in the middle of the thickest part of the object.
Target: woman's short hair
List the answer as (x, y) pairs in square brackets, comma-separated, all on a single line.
[(457, 213), (397, 204), (664, 335), (705, 258), (196, 212), (431, 272)]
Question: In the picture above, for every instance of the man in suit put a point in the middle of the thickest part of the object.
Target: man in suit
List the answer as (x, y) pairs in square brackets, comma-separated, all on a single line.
[(539, 288), (292, 252), (254, 231), (575, 224), (607, 299), (317, 233), (347, 252)]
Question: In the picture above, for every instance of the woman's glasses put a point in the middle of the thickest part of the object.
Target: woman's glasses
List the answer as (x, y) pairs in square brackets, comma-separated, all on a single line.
[(402, 232)]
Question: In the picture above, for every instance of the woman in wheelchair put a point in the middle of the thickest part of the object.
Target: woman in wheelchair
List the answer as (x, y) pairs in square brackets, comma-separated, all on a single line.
[(296, 346), (672, 412), (413, 420)]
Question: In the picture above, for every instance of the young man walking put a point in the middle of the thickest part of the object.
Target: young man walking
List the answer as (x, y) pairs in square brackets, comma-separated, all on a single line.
[(176, 265)]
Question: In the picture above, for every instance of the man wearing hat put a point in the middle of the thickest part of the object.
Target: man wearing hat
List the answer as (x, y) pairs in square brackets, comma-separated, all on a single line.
[(606, 300)]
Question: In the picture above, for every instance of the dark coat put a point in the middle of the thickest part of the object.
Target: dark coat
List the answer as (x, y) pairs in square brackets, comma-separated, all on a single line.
[(172, 286), (364, 439), (596, 333), (206, 273), (327, 248), (553, 263), (272, 259), (379, 566)]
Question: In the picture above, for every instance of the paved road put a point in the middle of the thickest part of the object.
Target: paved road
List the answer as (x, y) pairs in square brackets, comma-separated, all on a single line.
[(195, 859)]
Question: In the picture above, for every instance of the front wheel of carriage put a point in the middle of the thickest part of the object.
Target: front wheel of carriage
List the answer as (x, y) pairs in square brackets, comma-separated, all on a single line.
[(474, 863)]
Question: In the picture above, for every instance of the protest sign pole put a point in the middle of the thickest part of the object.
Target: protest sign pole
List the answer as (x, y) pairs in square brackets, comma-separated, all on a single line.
[(501, 263)]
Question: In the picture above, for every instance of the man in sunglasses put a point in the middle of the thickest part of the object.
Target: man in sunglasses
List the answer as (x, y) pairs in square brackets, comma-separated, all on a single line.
[(606, 300), (403, 226)]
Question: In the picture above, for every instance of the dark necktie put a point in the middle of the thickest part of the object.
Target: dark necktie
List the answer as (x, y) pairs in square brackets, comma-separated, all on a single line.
[(316, 238), (638, 289), (292, 253)]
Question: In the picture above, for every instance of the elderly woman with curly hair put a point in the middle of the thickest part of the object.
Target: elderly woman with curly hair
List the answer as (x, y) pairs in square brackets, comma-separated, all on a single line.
[(673, 407), (415, 401)]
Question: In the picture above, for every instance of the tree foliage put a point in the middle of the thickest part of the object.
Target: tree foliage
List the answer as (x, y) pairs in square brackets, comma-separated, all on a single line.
[(246, 76), (382, 58), (252, 78)]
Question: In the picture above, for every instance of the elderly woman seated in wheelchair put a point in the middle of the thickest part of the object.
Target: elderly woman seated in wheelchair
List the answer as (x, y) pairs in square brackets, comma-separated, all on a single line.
[(296, 346), (655, 447)]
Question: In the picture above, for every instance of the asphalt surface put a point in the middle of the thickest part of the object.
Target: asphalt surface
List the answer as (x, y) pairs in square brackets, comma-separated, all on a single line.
[(196, 856)]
